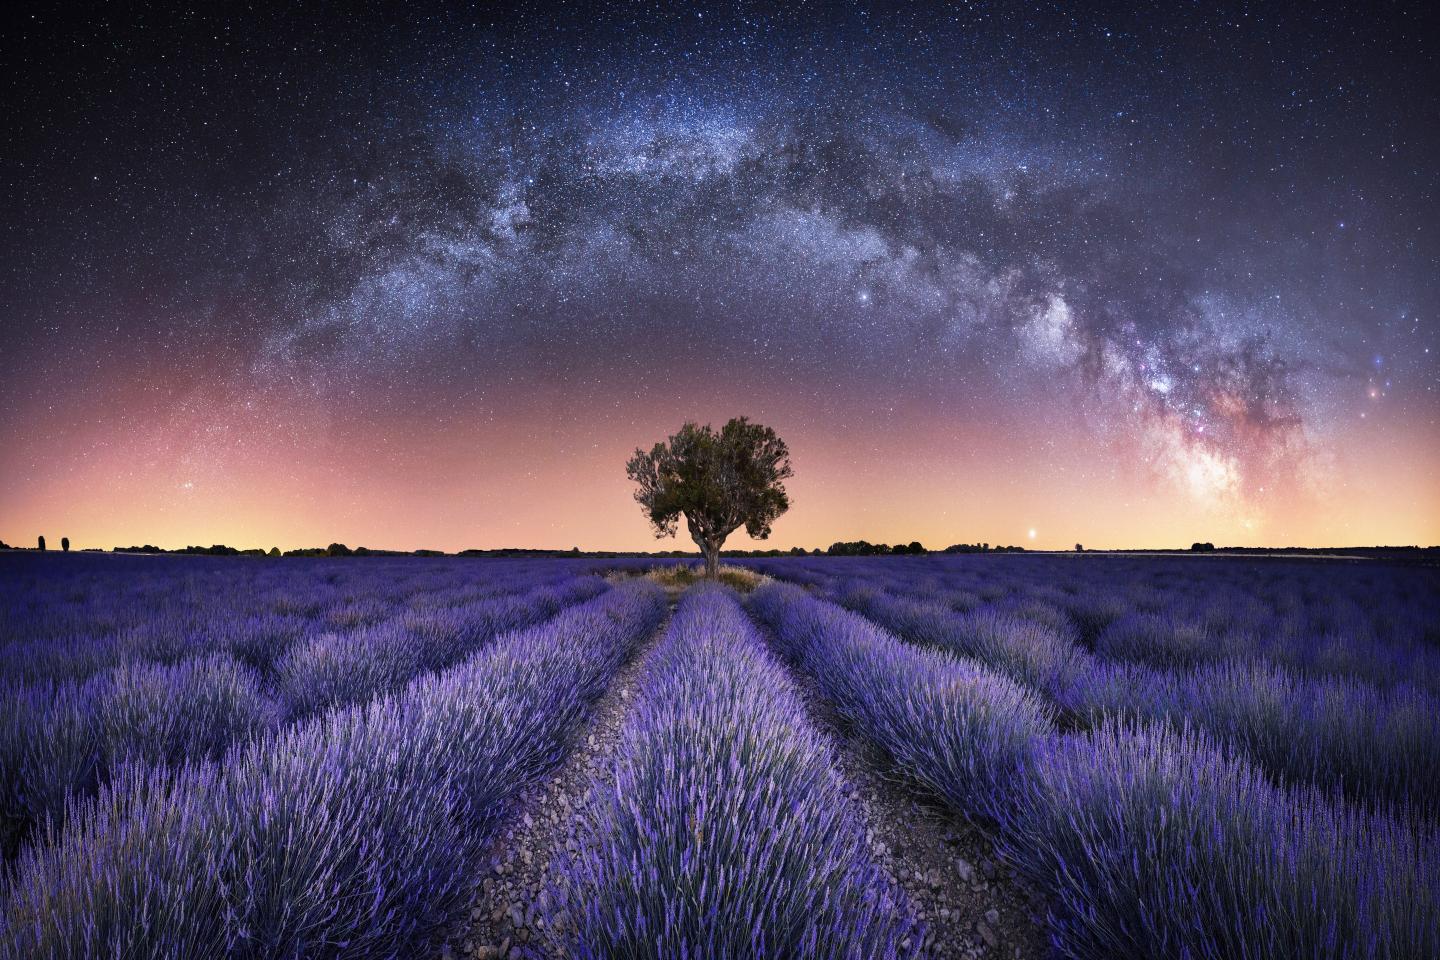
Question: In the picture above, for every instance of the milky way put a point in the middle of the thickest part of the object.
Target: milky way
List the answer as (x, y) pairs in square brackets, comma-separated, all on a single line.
[(1193, 251)]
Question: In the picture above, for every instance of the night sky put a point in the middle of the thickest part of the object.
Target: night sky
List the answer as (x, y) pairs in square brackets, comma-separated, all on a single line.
[(1013, 274)]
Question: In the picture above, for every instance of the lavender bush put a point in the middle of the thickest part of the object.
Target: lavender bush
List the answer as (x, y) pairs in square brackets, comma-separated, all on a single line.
[(964, 731), (725, 832), (1152, 842), (353, 835), (1158, 842), (64, 739), (1163, 641), (331, 670), (1376, 746), (1028, 651), (156, 714), (49, 750)]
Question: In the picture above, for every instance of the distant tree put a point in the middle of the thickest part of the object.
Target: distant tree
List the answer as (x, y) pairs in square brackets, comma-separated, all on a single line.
[(274, 552), (916, 547), (337, 550), (65, 544), (42, 542), (1079, 548), (1202, 547), (864, 548), (719, 480)]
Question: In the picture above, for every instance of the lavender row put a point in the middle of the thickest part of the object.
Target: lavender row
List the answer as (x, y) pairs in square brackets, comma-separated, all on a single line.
[(956, 726), (1368, 620), (60, 741), (330, 670), (355, 834), (68, 618), (1376, 746), (725, 832), (1149, 842), (1153, 842)]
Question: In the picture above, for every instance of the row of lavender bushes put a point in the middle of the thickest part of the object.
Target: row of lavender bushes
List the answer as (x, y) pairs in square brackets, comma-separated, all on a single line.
[(725, 831), (1370, 621), (71, 618), (1375, 745), (60, 740), (1147, 840), (356, 833)]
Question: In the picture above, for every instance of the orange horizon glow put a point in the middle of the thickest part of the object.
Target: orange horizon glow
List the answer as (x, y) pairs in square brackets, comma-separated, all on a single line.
[(924, 475)]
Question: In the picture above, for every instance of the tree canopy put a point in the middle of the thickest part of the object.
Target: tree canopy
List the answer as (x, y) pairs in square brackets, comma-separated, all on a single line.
[(719, 480)]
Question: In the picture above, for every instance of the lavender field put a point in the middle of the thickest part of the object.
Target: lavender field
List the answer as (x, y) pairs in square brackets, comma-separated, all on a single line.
[(1012, 756)]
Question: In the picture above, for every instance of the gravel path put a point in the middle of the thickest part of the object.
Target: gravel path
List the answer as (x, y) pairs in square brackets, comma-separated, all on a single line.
[(507, 920), (971, 904)]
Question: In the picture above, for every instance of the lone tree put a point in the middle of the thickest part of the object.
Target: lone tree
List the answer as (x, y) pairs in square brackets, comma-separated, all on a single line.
[(42, 542), (720, 480), (65, 544)]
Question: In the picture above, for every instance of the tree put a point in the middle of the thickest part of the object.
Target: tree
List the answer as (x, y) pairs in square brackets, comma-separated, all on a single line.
[(65, 544), (719, 480), (42, 542)]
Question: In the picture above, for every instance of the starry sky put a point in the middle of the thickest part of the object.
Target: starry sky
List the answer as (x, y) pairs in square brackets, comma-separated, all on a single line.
[(1007, 273)]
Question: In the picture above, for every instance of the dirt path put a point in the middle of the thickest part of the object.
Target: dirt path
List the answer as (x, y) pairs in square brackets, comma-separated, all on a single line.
[(971, 906), (507, 920)]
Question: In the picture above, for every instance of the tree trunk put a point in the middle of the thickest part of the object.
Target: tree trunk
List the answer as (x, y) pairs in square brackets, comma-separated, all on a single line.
[(712, 561)]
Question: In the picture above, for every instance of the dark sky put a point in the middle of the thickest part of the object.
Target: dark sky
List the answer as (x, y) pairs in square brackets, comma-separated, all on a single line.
[(1014, 273)]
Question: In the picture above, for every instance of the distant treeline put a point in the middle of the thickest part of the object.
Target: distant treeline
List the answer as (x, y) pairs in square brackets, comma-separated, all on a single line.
[(841, 548), (864, 548), (844, 548)]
